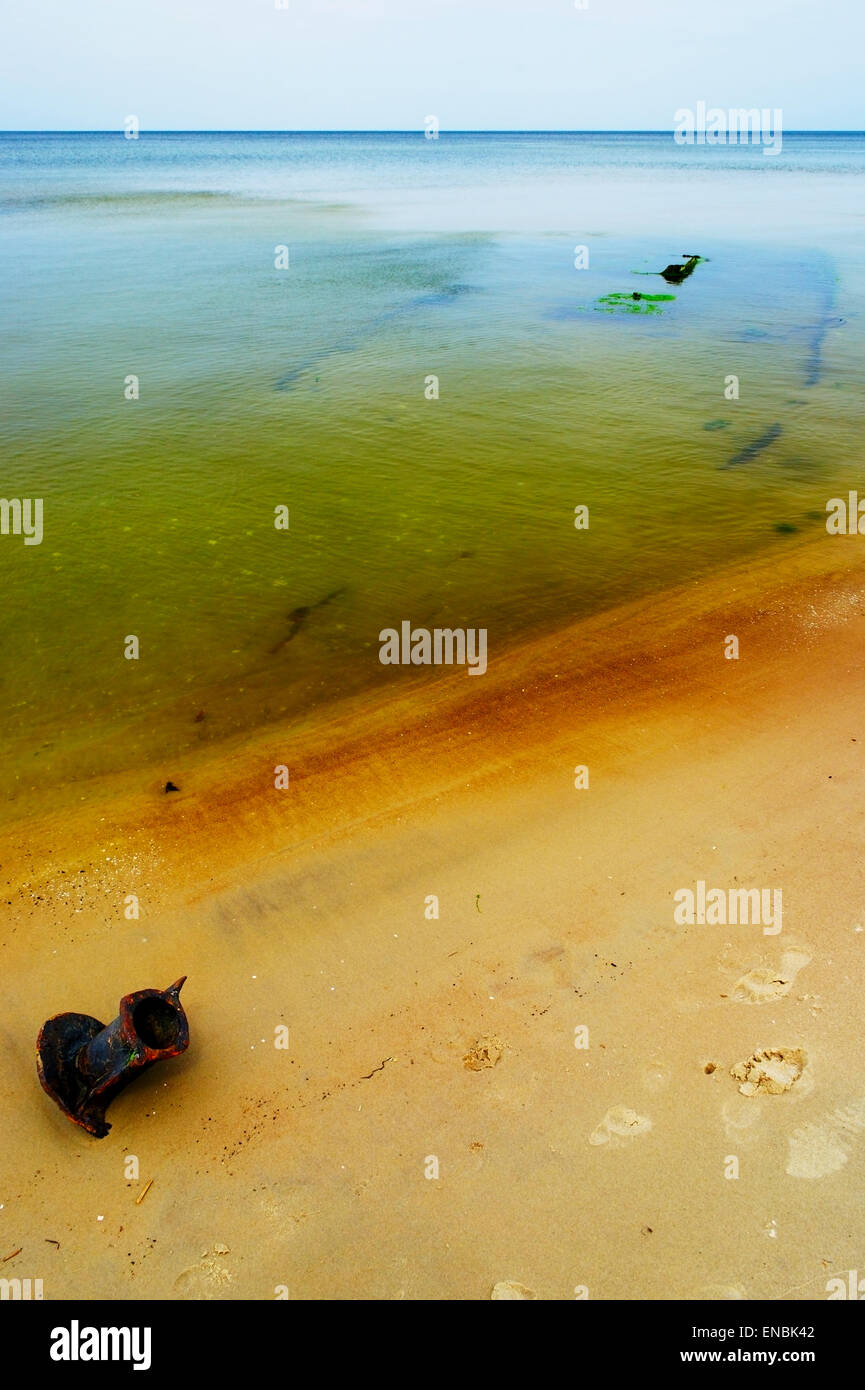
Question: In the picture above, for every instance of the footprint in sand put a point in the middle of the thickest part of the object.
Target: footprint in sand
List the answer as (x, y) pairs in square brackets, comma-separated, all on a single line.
[(764, 984), (618, 1126), (206, 1280), (485, 1053), (740, 1117), (656, 1076), (550, 967), (509, 1289), (816, 1150), (770, 1072)]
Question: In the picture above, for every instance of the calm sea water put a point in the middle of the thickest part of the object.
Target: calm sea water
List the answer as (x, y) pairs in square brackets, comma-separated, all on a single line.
[(305, 387)]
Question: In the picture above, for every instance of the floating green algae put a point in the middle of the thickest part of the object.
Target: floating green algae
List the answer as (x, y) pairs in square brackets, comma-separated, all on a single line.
[(633, 303)]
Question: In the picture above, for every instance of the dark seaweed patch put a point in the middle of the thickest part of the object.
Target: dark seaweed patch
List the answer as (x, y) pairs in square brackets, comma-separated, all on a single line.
[(298, 618), (751, 451), (434, 300)]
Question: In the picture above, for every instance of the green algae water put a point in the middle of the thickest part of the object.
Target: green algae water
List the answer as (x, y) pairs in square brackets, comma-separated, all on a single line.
[(430, 385)]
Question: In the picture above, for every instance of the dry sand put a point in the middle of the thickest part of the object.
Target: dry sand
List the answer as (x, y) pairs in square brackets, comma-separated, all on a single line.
[(560, 1169)]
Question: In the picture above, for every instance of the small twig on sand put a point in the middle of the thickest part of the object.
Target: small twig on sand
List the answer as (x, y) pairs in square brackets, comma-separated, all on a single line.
[(379, 1068)]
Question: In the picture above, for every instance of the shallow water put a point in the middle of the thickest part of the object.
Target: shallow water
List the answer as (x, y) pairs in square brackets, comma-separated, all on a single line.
[(305, 387)]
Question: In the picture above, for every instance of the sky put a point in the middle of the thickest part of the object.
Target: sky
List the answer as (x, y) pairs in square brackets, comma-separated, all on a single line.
[(388, 64)]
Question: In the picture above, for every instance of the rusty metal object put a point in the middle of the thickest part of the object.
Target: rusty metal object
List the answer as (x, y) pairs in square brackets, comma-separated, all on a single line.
[(83, 1064)]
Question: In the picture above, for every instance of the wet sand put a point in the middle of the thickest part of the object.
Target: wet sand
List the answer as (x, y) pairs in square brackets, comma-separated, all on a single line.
[(414, 1038)]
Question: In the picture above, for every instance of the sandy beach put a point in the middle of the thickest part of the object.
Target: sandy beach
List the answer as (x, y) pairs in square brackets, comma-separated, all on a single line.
[(432, 1130)]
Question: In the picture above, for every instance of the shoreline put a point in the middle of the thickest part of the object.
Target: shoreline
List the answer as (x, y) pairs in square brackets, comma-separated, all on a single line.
[(630, 653)]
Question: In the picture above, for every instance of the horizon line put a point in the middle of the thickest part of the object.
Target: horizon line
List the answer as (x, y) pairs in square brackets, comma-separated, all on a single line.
[(393, 130)]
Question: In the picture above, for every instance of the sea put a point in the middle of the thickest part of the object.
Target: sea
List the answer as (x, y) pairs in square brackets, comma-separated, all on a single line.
[(278, 392)]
